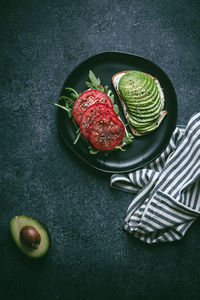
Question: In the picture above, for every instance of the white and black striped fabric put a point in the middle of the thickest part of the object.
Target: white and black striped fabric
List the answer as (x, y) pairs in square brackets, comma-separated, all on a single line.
[(168, 199)]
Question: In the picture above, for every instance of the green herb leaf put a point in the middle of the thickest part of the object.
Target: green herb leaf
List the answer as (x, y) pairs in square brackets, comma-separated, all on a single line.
[(70, 114), (72, 90), (99, 88), (95, 81), (116, 108), (73, 96), (105, 89), (89, 84), (61, 106), (112, 97), (65, 108), (120, 148), (78, 134), (68, 101), (128, 140), (93, 150)]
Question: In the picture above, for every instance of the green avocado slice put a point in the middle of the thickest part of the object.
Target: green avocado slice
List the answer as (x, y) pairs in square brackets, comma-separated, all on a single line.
[(144, 95), (144, 105), (133, 89), (147, 110), (137, 124), (16, 225), (147, 114), (131, 82), (141, 106), (145, 120), (149, 128), (147, 100), (142, 98)]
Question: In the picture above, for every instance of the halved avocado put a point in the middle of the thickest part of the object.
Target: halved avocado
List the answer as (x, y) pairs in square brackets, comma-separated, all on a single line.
[(20, 225)]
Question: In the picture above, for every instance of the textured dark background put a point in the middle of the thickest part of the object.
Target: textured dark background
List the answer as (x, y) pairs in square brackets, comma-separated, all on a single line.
[(91, 257)]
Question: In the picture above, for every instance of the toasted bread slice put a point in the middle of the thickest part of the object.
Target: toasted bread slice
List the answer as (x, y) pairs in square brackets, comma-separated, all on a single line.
[(163, 113)]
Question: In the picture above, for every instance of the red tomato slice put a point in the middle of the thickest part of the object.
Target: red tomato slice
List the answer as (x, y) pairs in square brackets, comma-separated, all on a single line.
[(90, 113), (86, 99), (106, 131)]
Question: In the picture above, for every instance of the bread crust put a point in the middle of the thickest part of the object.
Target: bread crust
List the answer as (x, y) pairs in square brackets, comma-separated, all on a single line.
[(163, 113)]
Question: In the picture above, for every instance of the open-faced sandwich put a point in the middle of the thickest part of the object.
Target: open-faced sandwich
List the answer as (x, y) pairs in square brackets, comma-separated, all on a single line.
[(142, 100)]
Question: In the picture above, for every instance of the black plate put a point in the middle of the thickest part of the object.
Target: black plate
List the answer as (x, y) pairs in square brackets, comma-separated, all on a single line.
[(143, 149)]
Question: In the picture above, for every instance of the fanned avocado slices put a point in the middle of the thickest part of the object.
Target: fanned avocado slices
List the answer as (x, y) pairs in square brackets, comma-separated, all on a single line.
[(142, 100), (30, 236)]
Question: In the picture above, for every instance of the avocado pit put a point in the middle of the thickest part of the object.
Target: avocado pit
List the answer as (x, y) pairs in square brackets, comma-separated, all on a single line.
[(30, 237)]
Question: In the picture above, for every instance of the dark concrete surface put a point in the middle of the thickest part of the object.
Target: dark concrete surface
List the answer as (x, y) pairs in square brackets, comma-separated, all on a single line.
[(91, 257)]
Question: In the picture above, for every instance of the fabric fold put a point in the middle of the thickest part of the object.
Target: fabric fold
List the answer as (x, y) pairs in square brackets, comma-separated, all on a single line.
[(168, 189)]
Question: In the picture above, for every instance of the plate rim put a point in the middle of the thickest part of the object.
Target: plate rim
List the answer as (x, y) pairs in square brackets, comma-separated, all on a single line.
[(77, 153)]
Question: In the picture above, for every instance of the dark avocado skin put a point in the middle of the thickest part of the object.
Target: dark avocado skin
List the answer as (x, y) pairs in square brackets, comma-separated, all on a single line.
[(142, 99), (17, 223)]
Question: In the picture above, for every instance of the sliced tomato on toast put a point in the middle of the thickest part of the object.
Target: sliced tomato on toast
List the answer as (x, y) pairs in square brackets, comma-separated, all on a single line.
[(106, 131), (86, 99), (91, 112)]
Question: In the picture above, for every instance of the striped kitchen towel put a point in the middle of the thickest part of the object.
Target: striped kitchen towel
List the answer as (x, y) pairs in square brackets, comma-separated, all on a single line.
[(168, 189)]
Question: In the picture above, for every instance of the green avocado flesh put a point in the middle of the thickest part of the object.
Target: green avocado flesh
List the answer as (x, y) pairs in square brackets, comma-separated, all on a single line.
[(142, 99), (17, 223)]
